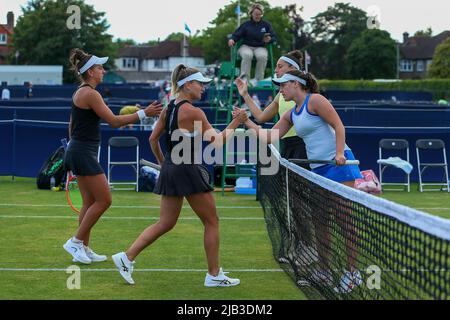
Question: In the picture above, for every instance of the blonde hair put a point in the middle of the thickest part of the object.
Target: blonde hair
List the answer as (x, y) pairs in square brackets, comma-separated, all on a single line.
[(255, 6), (180, 72)]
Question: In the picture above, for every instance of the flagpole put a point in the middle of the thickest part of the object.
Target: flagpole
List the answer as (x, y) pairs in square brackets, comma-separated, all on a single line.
[(239, 14), (184, 48), (306, 61)]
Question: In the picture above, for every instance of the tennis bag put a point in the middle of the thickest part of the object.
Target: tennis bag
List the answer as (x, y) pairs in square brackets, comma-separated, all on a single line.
[(52, 167), (147, 179)]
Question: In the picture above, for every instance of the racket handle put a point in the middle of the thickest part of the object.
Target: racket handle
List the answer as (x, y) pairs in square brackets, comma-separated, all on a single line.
[(64, 143), (352, 162)]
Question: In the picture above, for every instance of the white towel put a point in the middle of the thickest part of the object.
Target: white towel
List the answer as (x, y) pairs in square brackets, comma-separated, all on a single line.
[(398, 163)]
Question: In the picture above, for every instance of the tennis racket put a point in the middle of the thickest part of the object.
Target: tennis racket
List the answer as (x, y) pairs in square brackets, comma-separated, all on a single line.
[(73, 194), (308, 161), (144, 162)]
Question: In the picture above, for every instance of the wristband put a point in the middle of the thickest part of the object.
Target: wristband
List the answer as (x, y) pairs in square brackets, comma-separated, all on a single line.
[(141, 115)]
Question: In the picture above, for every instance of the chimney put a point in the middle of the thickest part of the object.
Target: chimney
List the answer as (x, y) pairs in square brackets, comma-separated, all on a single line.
[(405, 37), (10, 20)]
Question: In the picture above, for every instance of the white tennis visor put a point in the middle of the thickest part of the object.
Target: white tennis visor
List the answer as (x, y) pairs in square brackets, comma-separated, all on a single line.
[(94, 60), (194, 77), (288, 77)]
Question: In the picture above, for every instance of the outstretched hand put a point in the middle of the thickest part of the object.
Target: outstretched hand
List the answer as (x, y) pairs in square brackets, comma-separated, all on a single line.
[(153, 109), (240, 114), (241, 86)]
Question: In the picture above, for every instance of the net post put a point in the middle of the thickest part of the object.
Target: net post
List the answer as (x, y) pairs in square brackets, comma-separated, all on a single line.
[(288, 211)]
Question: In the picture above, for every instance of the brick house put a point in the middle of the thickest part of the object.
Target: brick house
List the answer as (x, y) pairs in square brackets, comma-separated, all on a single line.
[(6, 32), (416, 54), (150, 63)]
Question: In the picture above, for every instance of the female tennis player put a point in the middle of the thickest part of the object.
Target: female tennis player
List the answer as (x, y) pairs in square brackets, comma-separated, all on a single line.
[(88, 108), (184, 179), (316, 121), (292, 146)]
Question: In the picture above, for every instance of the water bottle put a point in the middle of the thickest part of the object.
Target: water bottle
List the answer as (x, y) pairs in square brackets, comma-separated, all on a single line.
[(52, 183)]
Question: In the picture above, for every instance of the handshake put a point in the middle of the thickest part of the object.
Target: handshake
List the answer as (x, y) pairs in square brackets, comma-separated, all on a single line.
[(240, 114)]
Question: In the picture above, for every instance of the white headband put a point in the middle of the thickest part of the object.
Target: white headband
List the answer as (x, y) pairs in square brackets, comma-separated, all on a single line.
[(291, 62), (288, 77), (196, 76), (94, 60)]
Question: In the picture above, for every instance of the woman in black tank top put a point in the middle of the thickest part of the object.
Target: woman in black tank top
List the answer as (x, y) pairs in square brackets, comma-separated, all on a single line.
[(182, 178), (88, 108)]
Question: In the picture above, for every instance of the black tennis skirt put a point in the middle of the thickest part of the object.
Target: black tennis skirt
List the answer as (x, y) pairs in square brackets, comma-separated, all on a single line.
[(81, 158), (182, 180), (294, 148)]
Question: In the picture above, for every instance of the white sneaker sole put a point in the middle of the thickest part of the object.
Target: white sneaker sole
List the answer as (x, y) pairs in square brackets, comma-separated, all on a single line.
[(75, 259), (126, 277), (99, 260), (217, 285)]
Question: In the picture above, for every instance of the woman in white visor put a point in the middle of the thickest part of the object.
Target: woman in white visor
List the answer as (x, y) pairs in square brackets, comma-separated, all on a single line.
[(182, 176), (316, 121)]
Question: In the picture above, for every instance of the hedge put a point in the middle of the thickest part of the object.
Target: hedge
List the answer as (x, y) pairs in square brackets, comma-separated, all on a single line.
[(440, 88)]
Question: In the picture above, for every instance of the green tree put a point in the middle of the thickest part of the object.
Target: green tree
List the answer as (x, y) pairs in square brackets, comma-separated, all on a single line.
[(424, 33), (42, 36), (176, 36), (372, 55), (300, 38), (332, 33), (440, 67), (214, 39), (121, 43)]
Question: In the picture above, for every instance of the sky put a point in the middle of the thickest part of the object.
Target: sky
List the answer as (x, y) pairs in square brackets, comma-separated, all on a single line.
[(144, 20)]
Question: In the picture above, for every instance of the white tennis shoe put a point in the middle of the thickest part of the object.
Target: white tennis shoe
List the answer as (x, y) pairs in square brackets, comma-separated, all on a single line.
[(319, 277), (221, 280), (93, 256), (76, 249), (349, 281), (124, 266)]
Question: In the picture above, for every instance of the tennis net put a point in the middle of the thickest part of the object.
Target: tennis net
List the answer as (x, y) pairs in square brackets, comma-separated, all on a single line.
[(336, 242)]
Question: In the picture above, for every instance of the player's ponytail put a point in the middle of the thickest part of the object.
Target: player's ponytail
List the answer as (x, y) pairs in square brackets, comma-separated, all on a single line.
[(180, 72)]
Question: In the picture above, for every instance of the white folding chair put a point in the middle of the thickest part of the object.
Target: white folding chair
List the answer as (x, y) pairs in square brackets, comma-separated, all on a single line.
[(123, 143), (430, 145), (394, 145)]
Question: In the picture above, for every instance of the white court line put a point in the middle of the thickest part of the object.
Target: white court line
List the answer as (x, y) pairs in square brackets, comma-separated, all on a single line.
[(135, 270), (74, 217), (196, 270), (123, 207)]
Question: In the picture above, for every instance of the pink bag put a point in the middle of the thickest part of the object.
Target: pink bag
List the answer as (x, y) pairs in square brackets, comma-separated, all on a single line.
[(369, 183)]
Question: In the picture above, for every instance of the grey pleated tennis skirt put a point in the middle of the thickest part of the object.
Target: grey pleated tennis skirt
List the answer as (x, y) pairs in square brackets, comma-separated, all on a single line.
[(182, 180)]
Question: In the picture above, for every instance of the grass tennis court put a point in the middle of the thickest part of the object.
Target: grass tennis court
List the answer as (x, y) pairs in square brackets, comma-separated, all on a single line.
[(36, 223)]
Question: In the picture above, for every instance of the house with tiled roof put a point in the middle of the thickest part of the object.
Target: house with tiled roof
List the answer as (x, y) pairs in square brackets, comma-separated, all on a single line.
[(151, 63), (416, 54), (6, 32)]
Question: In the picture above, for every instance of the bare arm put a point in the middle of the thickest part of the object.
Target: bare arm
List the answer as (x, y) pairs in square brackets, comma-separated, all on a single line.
[(261, 116), (156, 135), (210, 134), (96, 103), (278, 130), (323, 108)]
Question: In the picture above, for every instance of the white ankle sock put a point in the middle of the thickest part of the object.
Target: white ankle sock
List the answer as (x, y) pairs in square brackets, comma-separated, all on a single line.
[(74, 239)]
